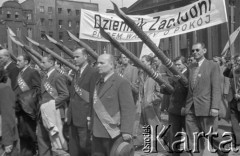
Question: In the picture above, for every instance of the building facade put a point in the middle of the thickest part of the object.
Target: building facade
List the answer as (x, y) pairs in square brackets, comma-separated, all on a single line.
[(215, 37), (39, 17)]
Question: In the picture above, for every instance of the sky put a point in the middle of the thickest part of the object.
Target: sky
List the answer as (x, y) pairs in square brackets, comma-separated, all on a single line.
[(103, 4)]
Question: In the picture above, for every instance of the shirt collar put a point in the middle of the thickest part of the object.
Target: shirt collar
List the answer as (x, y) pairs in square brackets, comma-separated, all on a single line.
[(83, 67), (5, 67), (201, 62), (24, 68), (50, 72), (108, 76), (185, 69)]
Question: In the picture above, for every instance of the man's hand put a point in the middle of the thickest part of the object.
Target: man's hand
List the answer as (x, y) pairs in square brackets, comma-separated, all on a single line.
[(127, 137), (8, 149), (214, 112)]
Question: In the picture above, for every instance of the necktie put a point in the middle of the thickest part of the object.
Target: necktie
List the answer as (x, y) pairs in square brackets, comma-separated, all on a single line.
[(195, 73), (100, 84)]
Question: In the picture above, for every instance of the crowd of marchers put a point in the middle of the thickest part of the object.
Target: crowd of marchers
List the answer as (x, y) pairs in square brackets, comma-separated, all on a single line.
[(100, 109)]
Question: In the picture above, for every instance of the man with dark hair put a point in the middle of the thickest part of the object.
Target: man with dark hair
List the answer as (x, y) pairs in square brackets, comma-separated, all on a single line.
[(80, 106), (28, 92), (177, 103), (113, 102), (54, 93), (9, 66), (202, 104)]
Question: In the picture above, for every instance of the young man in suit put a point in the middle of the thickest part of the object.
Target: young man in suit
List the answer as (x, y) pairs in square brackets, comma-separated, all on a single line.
[(28, 92), (9, 66), (204, 94), (80, 106), (177, 103), (113, 101), (54, 93)]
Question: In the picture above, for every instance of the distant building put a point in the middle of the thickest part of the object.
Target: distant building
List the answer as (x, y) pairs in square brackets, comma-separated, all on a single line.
[(215, 37), (35, 18)]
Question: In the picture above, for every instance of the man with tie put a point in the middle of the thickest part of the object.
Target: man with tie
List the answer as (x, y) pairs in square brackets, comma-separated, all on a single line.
[(28, 94), (202, 104), (113, 101), (80, 106), (9, 66), (54, 92)]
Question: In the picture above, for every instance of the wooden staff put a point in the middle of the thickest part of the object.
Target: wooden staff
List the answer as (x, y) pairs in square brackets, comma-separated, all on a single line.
[(136, 61), (165, 60), (64, 48), (82, 44), (49, 51)]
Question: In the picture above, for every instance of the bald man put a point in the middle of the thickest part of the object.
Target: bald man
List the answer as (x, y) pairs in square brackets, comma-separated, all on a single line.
[(112, 100), (9, 66)]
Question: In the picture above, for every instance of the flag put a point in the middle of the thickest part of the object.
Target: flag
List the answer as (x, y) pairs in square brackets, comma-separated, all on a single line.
[(232, 38), (10, 33)]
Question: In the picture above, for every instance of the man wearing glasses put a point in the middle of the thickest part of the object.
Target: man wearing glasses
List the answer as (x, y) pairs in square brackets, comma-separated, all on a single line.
[(202, 99)]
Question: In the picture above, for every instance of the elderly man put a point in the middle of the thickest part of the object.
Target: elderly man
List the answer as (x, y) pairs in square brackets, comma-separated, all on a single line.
[(113, 101), (9, 66)]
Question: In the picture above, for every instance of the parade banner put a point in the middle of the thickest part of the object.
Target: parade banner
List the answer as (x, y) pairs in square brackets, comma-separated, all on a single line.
[(195, 16)]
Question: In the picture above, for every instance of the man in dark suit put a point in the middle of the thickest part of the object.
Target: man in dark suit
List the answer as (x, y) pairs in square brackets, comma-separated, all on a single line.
[(28, 82), (113, 102), (8, 126), (203, 98), (79, 111), (9, 66), (177, 102), (54, 90)]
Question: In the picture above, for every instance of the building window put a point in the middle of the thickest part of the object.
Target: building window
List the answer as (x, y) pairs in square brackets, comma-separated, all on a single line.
[(42, 21), (29, 32), (60, 23), (77, 23), (43, 35), (50, 22), (50, 33), (16, 15), (42, 9), (69, 11), (69, 23), (61, 36), (29, 16), (77, 12), (8, 14), (59, 10), (50, 10)]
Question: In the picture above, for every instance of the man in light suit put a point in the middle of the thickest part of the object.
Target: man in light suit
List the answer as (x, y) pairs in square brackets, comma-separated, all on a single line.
[(29, 83), (204, 94), (80, 106), (113, 101), (54, 88), (130, 73), (9, 66)]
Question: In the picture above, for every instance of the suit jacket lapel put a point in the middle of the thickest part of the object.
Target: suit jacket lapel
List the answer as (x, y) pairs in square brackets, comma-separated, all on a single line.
[(49, 80), (83, 75), (107, 85)]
